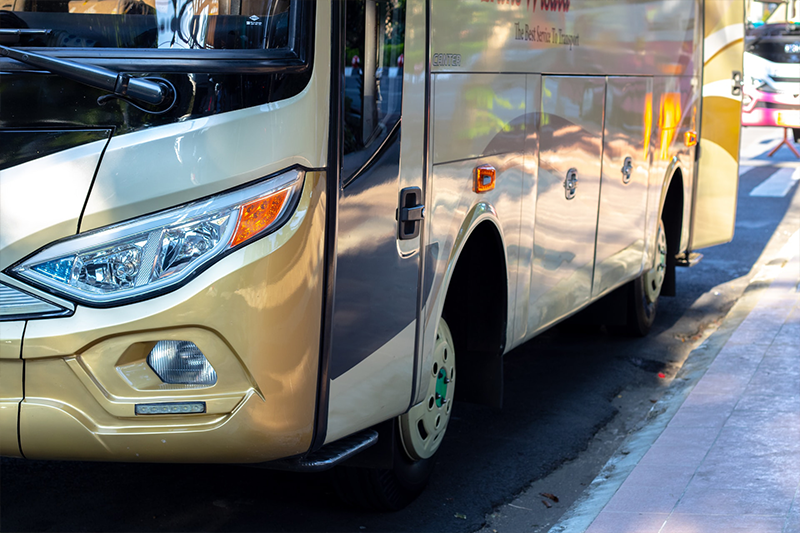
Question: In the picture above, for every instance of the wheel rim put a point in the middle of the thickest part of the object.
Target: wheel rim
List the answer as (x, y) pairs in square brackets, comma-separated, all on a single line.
[(654, 278), (422, 428)]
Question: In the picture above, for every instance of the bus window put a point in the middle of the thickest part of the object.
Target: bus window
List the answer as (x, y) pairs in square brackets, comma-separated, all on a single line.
[(137, 24), (375, 36)]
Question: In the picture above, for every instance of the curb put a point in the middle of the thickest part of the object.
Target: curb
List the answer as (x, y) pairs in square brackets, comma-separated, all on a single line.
[(586, 508)]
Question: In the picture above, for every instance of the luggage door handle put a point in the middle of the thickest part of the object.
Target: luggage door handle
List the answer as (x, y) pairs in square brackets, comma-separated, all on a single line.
[(571, 184)]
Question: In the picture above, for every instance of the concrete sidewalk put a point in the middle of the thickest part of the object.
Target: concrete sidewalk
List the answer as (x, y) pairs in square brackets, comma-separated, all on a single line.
[(729, 460)]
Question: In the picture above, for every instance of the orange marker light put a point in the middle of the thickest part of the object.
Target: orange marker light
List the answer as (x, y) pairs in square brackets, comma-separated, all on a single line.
[(690, 138), (257, 215), (484, 178)]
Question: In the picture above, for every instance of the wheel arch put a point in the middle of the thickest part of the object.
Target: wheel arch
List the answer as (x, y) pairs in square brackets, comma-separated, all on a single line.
[(476, 306), (672, 210)]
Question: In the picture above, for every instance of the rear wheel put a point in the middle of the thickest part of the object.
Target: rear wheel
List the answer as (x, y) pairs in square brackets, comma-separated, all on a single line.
[(419, 434), (643, 292)]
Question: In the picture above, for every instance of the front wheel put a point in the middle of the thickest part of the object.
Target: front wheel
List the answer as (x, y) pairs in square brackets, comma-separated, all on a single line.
[(419, 434), (643, 292)]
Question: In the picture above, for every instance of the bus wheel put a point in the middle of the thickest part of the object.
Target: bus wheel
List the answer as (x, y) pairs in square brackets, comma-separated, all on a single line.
[(422, 428), (644, 291), (420, 432)]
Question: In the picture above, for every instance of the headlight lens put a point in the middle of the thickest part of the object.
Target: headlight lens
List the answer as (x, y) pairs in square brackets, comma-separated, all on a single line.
[(132, 259)]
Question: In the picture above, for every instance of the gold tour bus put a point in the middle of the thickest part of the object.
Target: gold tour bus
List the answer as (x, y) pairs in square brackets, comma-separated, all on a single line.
[(293, 233)]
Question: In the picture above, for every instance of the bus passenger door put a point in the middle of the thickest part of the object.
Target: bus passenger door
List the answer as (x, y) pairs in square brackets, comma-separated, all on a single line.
[(623, 188), (377, 256), (571, 132), (717, 174)]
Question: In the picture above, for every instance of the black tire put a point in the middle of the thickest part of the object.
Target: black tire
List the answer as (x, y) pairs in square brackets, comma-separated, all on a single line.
[(641, 312), (416, 437), (380, 489), (643, 292)]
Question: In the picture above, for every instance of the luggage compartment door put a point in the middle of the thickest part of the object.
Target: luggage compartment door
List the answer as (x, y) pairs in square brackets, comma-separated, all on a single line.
[(623, 190), (568, 192)]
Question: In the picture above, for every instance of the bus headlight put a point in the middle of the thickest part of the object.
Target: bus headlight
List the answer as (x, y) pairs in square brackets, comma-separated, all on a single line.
[(146, 255)]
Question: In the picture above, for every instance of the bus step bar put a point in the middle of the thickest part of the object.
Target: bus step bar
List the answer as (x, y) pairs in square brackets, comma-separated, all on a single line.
[(329, 455), (688, 259)]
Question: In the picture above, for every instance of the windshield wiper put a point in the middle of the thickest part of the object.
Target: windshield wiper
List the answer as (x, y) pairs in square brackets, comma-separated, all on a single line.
[(150, 91), (13, 36)]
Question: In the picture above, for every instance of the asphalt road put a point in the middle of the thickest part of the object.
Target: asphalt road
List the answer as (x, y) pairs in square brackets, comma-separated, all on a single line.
[(570, 395)]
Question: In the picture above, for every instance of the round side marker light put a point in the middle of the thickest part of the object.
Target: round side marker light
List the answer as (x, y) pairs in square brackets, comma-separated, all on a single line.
[(181, 362)]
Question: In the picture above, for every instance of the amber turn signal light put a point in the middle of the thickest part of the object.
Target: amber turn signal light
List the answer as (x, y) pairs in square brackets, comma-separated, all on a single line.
[(690, 138), (484, 178), (258, 215)]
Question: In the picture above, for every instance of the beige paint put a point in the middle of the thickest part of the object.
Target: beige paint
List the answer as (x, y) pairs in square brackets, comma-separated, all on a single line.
[(446, 258), (479, 119), (714, 201), (165, 166), (374, 390), (676, 157), (257, 311), (11, 368), (564, 232), (528, 195), (11, 339), (256, 315), (614, 37), (478, 115), (379, 387), (41, 200), (86, 431), (10, 396), (621, 220)]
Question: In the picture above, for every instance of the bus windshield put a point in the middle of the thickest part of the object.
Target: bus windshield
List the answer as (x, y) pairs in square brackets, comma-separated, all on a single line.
[(137, 24)]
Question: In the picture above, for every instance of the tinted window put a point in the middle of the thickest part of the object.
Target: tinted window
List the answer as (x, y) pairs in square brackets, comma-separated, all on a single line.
[(778, 50), (165, 24), (374, 61)]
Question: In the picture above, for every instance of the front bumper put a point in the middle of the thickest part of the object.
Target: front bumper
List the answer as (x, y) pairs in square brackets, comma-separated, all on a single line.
[(255, 315), (771, 109)]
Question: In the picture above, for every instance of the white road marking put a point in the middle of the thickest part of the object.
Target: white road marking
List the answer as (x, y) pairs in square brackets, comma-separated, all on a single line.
[(744, 169), (779, 184)]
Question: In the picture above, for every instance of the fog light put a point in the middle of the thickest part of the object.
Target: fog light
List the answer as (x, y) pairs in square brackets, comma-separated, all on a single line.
[(170, 408), (181, 362)]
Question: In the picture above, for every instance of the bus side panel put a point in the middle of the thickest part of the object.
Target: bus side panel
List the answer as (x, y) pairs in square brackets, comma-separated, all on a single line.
[(675, 112), (714, 202), (478, 119), (533, 94), (10, 385), (570, 148), (578, 37), (623, 188)]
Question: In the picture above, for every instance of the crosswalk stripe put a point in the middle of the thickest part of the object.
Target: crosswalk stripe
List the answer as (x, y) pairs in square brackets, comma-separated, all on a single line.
[(744, 169), (778, 184)]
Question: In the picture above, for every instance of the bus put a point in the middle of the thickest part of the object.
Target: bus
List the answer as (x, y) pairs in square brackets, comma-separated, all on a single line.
[(772, 83), (294, 234)]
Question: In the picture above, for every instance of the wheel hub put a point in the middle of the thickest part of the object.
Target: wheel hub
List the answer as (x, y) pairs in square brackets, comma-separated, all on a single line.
[(422, 428), (654, 278)]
